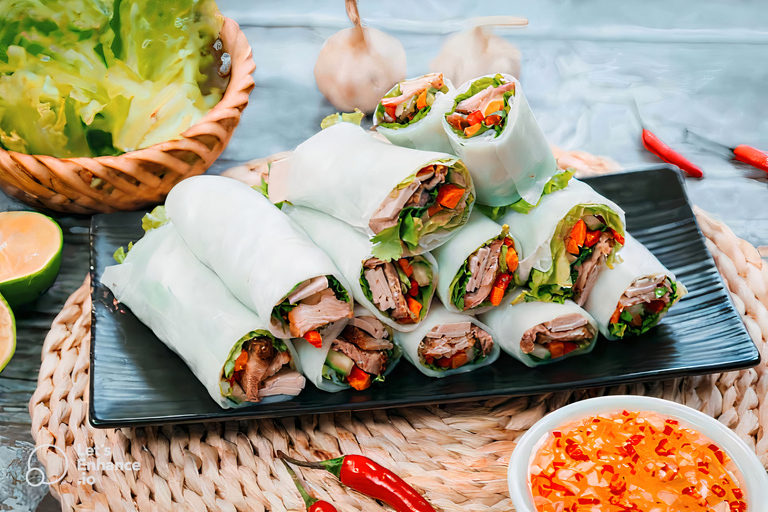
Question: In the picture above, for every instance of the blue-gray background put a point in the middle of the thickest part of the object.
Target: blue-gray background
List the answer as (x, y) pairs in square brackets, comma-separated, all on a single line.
[(689, 64)]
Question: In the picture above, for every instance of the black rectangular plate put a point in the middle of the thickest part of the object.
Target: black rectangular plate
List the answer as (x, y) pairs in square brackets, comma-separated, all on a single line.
[(136, 380)]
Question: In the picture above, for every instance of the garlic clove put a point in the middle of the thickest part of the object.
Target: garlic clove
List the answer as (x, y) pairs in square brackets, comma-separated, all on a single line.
[(476, 52)]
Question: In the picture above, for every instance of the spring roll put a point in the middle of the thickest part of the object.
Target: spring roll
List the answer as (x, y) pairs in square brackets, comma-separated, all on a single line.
[(568, 239), (537, 333), (267, 261), (633, 297), (447, 343), (411, 113), (478, 266), (226, 345), (363, 353), (396, 292), (492, 129), (406, 201)]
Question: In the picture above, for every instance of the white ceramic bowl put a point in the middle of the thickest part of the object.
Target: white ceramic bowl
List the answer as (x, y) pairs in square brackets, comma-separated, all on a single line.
[(754, 479)]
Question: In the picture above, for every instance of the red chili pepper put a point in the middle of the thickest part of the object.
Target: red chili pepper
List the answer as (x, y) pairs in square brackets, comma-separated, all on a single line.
[(313, 504), (475, 117), (751, 156), (653, 144), (364, 475)]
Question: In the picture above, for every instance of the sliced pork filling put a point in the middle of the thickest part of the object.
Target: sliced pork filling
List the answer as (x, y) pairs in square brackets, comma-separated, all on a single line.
[(451, 346), (409, 99), (557, 337), (484, 107), (437, 198), (361, 353), (588, 250), (488, 272), (642, 304), (311, 306), (399, 289), (262, 370)]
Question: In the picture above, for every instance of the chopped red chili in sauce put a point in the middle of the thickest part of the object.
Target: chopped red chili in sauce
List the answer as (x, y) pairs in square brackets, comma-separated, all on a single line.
[(633, 461)]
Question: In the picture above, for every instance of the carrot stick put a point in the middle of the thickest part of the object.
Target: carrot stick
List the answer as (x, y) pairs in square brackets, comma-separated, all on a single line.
[(449, 195)]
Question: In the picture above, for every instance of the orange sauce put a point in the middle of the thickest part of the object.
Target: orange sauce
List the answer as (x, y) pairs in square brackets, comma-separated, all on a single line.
[(633, 461)]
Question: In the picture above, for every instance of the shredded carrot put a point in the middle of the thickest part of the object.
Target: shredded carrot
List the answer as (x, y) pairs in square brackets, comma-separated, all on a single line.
[(358, 379), (556, 348), (405, 266), (509, 242), (497, 293), (421, 101), (616, 315), (512, 259), (576, 238), (459, 359), (426, 170), (449, 195), (241, 360), (314, 338), (432, 210), (617, 236), (471, 130), (492, 120), (494, 106), (414, 306)]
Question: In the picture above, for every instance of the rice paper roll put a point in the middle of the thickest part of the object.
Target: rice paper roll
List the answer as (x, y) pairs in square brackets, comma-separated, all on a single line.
[(537, 333), (568, 239), (365, 352), (411, 113), (190, 309), (492, 129), (396, 292), (406, 201), (447, 343), (633, 297), (268, 262), (478, 266)]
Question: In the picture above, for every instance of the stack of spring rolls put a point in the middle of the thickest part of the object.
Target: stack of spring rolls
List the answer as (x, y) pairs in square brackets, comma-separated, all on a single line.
[(378, 251)]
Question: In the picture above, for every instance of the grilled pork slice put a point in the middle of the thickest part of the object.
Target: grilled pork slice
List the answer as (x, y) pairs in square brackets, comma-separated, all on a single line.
[(385, 287), (316, 311), (454, 345), (644, 290), (572, 327), (591, 267), (484, 267), (259, 377), (362, 346), (416, 193)]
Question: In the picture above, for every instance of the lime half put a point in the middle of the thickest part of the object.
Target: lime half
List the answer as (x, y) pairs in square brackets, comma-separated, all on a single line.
[(7, 333), (30, 255)]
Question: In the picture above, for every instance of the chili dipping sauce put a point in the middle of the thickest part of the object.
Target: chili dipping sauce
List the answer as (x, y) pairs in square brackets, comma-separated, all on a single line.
[(632, 461)]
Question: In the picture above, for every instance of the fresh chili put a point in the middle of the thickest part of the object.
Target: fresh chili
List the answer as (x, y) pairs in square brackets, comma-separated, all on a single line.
[(313, 504), (653, 144), (364, 475), (751, 156)]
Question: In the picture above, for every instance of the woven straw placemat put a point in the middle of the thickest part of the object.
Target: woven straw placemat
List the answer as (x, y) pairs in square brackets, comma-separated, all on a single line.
[(455, 454)]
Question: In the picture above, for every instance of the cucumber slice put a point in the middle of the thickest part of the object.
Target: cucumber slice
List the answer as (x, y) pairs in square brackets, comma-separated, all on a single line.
[(422, 272), (339, 362)]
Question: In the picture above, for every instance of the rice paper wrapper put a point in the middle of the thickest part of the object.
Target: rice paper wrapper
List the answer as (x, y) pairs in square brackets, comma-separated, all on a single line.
[(256, 250), (410, 341), (348, 248), (512, 321), (426, 134), (452, 255), (638, 262), (347, 173), (535, 230), (186, 305), (516, 164), (311, 360)]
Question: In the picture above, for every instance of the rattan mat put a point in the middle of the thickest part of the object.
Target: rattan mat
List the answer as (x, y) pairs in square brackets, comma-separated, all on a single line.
[(455, 454)]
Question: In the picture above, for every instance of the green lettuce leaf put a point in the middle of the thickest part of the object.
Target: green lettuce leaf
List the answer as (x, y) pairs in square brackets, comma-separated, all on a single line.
[(624, 327), (557, 182), (121, 253), (355, 117), (154, 219)]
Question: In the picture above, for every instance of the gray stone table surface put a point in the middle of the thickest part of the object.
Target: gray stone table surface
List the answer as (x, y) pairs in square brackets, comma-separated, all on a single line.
[(687, 64)]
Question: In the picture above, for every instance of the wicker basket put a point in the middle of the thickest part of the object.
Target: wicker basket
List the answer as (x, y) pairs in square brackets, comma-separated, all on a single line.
[(139, 178)]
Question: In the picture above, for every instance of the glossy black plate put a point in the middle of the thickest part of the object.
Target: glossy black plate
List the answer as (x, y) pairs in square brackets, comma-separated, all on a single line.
[(136, 380)]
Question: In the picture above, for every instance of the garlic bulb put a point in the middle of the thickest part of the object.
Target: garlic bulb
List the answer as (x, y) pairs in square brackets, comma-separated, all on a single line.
[(358, 65), (476, 52)]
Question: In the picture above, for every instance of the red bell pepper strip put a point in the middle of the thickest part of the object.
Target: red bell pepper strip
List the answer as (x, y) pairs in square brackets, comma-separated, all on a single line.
[(475, 117), (364, 475), (653, 144), (312, 504), (314, 338), (359, 379), (751, 156), (241, 360)]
